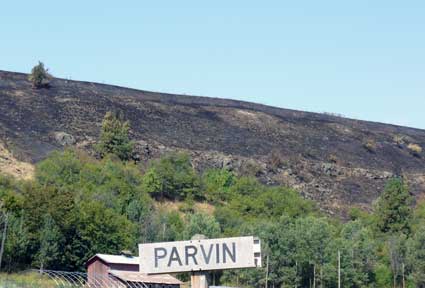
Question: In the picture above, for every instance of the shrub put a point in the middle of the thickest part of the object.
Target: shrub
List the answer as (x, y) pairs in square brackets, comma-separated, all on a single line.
[(415, 149), (40, 77), (399, 140), (250, 168), (216, 184), (333, 158), (370, 145), (171, 177)]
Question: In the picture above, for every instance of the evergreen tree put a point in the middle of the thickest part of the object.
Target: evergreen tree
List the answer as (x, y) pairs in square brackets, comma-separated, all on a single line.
[(393, 208), (114, 138), (40, 77), (50, 238)]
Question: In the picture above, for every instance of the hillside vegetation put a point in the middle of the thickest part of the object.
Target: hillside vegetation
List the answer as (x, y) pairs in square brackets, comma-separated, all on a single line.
[(334, 161), (78, 205)]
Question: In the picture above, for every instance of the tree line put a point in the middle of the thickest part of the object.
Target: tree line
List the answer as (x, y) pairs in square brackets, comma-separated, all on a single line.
[(78, 205)]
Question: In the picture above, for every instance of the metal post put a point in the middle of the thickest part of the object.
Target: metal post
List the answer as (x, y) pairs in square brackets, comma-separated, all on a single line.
[(339, 269)]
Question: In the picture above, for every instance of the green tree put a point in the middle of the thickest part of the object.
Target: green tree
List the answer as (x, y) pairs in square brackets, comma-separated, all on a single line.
[(10, 202), (216, 184), (200, 223), (17, 249), (416, 256), (383, 277), (358, 255), (50, 238), (97, 229), (40, 77), (114, 137), (393, 211), (397, 252), (314, 248), (168, 226), (172, 177)]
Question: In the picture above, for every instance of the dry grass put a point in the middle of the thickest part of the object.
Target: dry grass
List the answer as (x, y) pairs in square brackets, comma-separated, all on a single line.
[(201, 207), (415, 148), (11, 166)]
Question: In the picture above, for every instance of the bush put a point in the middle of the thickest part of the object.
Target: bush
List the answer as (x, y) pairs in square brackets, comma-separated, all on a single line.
[(370, 145), (399, 140), (172, 177), (250, 168), (216, 184), (39, 77), (415, 149)]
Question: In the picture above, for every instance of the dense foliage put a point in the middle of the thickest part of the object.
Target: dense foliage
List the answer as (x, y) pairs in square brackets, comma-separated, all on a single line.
[(78, 206)]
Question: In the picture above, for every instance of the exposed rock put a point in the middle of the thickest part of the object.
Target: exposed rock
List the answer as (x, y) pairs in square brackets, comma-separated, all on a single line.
[(64, 139)]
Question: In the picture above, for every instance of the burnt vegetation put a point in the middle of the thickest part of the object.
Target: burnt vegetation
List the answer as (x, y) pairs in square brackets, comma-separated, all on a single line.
[(322, 154)]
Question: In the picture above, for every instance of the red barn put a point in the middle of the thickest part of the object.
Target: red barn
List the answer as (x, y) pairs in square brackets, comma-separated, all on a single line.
[(123, 271)]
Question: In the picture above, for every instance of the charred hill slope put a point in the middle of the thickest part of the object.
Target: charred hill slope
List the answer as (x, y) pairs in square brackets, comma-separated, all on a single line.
[(336, 161)]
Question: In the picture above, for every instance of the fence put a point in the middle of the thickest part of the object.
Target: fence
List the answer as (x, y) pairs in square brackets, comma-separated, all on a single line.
[(53, 279)]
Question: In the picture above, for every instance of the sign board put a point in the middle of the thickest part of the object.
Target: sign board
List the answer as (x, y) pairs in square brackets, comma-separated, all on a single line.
[(200, 255)]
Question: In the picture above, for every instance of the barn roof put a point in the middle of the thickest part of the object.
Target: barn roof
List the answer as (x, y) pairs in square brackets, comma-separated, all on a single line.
[(116, 259), (144, 278)]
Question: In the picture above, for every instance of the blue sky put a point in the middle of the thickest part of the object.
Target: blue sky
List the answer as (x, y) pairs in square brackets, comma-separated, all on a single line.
[(363, 59)]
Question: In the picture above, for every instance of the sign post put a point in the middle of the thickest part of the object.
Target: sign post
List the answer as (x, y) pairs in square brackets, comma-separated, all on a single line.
[(199, 279), (200, 255)]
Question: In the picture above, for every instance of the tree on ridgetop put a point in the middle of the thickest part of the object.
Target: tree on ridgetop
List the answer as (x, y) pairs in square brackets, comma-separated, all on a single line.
[(40, 77), (114, 137)]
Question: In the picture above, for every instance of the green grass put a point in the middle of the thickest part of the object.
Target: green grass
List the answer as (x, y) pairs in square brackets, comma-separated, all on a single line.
[(25, 280)]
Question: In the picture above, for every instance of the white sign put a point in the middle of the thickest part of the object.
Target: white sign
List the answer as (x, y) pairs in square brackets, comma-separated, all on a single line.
[(200, 255)]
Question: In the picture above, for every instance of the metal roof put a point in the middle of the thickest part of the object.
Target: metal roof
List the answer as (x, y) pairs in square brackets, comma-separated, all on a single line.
[(116, 259), (144, 278)]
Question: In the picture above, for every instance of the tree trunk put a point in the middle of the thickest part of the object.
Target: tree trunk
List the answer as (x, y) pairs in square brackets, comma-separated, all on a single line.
[(394, 280), (3, 239), (296, 273), (267, 272), (314, 276)]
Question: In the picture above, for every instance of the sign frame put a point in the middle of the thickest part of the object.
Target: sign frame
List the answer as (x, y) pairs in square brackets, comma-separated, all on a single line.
[(200, 255)]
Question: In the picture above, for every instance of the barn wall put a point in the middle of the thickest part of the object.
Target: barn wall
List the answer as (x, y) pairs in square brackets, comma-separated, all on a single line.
[(96, 268), (125, 267)]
